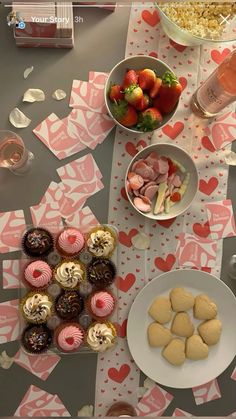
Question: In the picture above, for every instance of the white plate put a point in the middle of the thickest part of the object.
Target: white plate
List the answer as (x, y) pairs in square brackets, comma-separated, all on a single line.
[(191, 373)]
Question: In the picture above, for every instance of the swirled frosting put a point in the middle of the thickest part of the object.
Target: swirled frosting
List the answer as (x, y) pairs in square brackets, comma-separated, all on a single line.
[(69, 274), (102, 304), (101, 243), (70, 338), (100, 337), (71, 241), (37, 308), (38, 273)]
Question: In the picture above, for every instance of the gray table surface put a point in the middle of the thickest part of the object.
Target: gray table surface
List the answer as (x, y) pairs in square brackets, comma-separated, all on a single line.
[(99, 44)]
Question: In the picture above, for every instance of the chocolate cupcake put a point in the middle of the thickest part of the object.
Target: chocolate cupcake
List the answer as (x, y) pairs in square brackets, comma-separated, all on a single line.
[(69, 305), (101, 273), (37, 242), (36, 339)]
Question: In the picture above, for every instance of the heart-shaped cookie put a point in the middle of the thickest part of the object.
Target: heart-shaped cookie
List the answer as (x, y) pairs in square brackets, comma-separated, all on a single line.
[(204, 308), (160, 310), (158, 335), (181, 300), (196, 348), (174, 352), (182, 325), (210, 331)]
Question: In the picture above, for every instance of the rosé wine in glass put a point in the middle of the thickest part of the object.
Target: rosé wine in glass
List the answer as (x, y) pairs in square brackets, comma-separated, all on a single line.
[(13, 154)]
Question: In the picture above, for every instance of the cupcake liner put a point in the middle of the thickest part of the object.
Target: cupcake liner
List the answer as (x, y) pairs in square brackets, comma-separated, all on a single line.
[(37, 255), (114, 333), (62, 252), (92, 314), (28, 284), (104, 228), (61, 327), (101, 283), (37, 352), (66, 261), (31, 294)]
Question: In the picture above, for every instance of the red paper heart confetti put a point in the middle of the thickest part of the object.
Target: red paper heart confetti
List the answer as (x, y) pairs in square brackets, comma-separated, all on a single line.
[(207, 187), (151, 18), (124, 284), (119, 375), (165, 265), (125, 239), (173, 131)]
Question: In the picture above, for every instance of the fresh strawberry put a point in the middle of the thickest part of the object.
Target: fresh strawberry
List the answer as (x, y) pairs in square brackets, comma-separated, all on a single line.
[(133, 95), (147, 79), (125, 113), (155, 88), (169, 92), (145, 102), (157, 102), (149, 119), (116, 93), (131, 77)]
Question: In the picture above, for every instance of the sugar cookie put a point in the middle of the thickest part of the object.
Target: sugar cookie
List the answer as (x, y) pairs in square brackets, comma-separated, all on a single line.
[(174, 352), (210, 331), (181, 300), (204, 308), (158, 335), (160, 310), (195, 348)]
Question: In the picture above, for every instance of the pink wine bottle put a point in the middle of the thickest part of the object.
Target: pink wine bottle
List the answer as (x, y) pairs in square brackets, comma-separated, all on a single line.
[(218, 91)]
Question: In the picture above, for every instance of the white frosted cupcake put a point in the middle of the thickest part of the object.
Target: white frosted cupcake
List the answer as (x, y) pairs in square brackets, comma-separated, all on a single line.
[(69, 274), (101, 336), (36, 307), (101, 241)]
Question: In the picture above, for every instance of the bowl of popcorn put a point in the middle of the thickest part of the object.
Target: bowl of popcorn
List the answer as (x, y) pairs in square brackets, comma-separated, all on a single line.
[(161, 181), (194, 23)]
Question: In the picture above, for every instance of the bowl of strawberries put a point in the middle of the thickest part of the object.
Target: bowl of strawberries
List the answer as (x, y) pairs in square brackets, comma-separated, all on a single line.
[(142, 93)]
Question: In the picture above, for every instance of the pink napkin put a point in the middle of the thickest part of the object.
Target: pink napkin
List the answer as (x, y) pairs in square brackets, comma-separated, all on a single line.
[(181, 413), (154, 402), (61, 137), (83, 218), (87, 96), (11, 274), (207, 392), (233, 375), (196, 251), (39, 365), (39, 403), (98, 78), (12, 225), (221, 219), (55, 195), (222, 130), (46, 214), (81, 179), (9, 321), (92, 128)]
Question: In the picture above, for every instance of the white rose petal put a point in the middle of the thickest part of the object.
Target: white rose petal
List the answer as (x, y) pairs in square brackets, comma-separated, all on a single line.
[(28, 71), (86, 411), (141, 241), (230, 158), (5, 360), (18, 119), (59, 94), (34, 95)]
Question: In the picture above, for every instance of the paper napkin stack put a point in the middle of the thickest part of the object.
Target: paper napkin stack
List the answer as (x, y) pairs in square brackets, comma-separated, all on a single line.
[(46, 25)]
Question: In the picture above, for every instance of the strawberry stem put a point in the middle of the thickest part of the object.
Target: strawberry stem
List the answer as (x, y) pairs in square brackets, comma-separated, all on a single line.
[(169, 78)]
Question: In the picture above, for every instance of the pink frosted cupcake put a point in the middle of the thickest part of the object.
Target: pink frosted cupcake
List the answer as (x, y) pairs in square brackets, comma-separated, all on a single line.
[(101, 305), (70, 242), (69, 337), (38, 274)]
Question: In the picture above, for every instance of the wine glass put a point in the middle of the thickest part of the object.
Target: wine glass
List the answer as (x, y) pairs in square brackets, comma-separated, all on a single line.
[(13, 154)]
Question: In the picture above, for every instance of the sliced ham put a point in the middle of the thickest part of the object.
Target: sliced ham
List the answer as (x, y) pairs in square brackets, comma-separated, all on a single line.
[(135, 181), (141, 205), (135, 164), (177, 182), (162, 178), (152, 160), (145, 171), (163, 165), (143, 189), (151, 191)]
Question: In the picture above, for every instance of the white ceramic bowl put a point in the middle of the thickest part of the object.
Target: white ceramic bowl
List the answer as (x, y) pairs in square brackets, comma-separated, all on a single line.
[(182, 37), (176, 153), (137, 62)]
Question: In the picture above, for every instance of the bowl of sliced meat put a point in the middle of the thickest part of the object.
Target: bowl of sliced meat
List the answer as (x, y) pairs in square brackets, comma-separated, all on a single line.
[(161, 181)]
